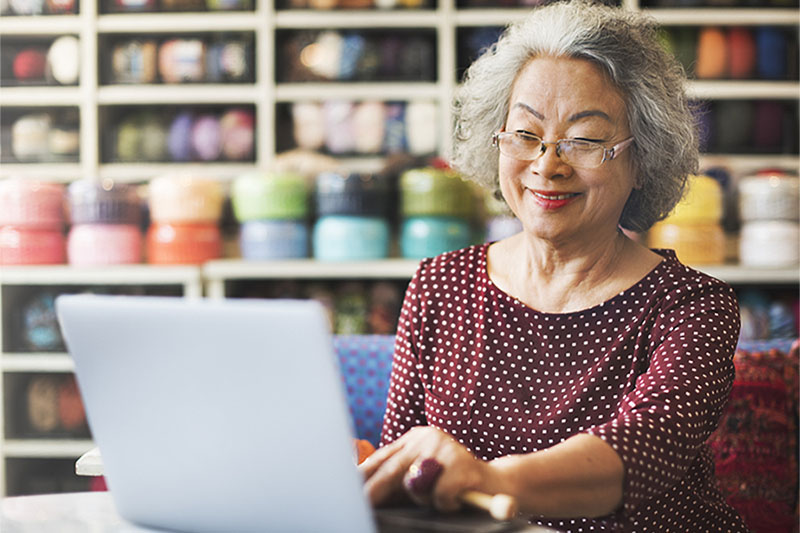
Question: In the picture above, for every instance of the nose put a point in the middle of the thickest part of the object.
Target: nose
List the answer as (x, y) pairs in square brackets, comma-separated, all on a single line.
[(550, 165)]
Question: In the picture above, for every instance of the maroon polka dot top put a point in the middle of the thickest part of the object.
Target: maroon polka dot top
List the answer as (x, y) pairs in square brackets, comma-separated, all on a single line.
[(649, 371)]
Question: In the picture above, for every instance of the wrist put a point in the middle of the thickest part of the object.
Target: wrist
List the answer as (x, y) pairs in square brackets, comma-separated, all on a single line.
[(504, 475)]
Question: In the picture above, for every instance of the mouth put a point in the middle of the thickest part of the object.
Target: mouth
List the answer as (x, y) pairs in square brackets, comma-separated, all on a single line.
[(556, 195)]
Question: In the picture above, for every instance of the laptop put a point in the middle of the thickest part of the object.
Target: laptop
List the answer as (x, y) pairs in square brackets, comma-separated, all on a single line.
[(226, 416)]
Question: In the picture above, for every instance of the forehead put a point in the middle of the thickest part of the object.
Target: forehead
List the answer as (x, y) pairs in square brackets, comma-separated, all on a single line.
[(558, 87)]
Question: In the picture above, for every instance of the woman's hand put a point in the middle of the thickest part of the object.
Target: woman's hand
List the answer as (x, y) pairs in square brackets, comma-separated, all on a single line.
[(409, 466)]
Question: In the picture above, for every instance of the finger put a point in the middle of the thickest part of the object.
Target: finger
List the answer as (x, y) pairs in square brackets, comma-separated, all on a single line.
[(421, 478), (372, 463), (387, 479)]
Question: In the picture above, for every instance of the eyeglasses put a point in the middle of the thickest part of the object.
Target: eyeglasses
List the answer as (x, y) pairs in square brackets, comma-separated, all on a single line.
[(575, 152)]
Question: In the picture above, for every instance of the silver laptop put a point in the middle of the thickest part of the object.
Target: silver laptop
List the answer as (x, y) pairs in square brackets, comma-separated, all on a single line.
[(225, 416)]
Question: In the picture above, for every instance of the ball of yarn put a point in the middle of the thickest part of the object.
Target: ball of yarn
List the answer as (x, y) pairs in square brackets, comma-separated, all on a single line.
[(179, 138), (308, 125), (339, 134), (207, 137), (153, 137), (29, 137), (771, 50), (42, 333), (42, 397), (236, 132), (182, 60), (369, 119), (27, 7), (129, 139), (29, 64), (712, 54), (741, 53), (767, 124), (63, 60), (733, 125)]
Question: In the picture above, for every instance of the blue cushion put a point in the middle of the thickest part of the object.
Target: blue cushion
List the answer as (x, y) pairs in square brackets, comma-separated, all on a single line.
[(366, 362)]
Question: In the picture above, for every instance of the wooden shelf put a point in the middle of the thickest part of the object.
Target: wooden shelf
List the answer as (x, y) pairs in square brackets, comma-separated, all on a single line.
[(36, 362), (138, 23), (40, 96), (116, 274), (177, 94), (40, 25), (47, 448)]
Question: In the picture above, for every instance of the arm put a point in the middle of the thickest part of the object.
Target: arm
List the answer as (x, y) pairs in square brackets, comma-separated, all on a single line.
[(405, 403)]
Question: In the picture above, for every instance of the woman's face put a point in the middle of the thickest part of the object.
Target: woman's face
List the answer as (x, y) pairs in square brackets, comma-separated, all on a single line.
[(564, 98)]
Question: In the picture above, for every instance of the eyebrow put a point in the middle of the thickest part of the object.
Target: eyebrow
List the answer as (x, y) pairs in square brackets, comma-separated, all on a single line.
[(573, 118)]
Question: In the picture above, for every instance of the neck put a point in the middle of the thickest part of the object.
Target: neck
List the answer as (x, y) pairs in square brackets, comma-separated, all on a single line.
[(561, 278)]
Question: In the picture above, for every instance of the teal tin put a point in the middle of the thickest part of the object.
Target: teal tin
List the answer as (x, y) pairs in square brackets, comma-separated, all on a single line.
[(430, 236), (350, 238)]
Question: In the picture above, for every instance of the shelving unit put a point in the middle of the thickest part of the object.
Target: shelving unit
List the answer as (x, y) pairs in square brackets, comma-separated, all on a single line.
[(17, 285), (265, 95)]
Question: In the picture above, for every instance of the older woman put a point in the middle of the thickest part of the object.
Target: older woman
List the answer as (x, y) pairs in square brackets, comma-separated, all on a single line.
[(567, 365)]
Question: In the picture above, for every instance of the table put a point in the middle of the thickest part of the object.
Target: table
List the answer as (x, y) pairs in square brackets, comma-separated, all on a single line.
[(81, 512)]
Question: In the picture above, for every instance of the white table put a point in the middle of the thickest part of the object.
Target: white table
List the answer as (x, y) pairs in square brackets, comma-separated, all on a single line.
[(81, 512)]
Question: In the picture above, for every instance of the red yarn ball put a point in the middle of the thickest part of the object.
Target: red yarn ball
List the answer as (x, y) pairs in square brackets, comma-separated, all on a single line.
[(30, 64)]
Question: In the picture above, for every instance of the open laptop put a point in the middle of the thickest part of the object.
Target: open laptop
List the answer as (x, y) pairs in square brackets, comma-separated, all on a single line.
[(225, 416)]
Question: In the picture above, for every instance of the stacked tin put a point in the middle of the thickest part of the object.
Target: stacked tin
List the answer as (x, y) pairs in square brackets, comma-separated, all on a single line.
[(436, 206), (272, 209), (353, 211), (693, 229), (184, 213), (31, 222), (769, 207), (106, 218)]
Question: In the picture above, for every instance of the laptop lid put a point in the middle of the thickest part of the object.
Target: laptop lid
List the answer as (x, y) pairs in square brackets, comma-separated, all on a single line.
[(217, 415)]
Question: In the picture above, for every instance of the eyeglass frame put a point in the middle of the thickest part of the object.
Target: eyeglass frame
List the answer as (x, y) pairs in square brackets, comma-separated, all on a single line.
[(608, 153)]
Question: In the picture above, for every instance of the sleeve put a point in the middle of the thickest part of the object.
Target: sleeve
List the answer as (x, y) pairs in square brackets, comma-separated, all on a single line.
[(677, 402), (405, 403)]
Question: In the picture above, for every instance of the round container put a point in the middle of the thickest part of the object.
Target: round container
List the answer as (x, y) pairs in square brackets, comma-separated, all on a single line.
[(25, 246), (350, 238), (185, 199), (103, 202), (353, 193), (176, 244), (769, 243), (207, 138), (104, 244), (434, 192), (430, 236), (501, 226), (701, 203), (769, 197), (134, 61), (273, 239), (272, 196), (694, 244), (31, 204)]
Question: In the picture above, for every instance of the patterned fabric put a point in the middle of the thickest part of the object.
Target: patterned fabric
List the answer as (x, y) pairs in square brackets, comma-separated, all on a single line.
[(365, 362), (755, 446), (648, 370)]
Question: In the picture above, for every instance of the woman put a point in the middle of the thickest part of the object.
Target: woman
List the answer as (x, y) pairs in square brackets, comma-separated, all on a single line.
[(567, 365)]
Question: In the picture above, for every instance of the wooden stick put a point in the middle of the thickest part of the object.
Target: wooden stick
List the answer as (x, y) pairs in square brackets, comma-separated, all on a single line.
[(501, 506)]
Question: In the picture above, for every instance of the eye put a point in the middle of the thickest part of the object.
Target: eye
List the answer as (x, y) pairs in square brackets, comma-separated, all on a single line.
[(526, 135), (585, 139)]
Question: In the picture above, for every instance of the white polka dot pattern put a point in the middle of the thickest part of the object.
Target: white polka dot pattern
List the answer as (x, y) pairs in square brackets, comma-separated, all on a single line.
[(649, 371)]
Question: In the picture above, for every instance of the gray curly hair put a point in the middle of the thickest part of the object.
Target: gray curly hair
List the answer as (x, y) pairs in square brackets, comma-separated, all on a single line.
[(626, 46)]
